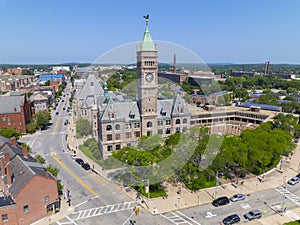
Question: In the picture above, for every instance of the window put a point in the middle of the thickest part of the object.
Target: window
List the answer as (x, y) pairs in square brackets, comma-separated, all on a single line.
[(131, 116), (168, 122), (117, 136), (117, 126), (127, 125), (8, 120), (184, 120), (137, 134), (109, 148), (168, 131), (136, 125), (160, 131), (177, 121), (47, 199), (128, 135), (160, 123), (109, 137), (118, 147), (108, 127), (149, 124), (149, 133), (184, 129), (177, 129), (26, 209), (4, 217)]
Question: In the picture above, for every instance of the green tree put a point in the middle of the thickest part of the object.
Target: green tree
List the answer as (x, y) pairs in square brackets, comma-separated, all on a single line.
[(53, 170), (31, 127), (83, 127), (39, 159), (9, 132), (42, 118)]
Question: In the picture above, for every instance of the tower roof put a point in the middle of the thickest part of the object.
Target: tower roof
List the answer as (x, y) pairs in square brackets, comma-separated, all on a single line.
[(147, 43)]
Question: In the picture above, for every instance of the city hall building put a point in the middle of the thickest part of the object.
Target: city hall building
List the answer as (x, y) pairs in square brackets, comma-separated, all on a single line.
[(117, 122)]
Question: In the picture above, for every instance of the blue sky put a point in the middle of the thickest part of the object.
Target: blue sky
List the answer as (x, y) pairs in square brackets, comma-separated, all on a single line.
[(58, 31)]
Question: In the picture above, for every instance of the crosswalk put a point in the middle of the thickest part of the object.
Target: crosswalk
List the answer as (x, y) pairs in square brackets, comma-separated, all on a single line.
[(87, 213), (294, 198), (179, 218)]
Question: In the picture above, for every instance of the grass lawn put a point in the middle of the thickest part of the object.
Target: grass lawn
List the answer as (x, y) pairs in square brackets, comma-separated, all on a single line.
[(293, 223), (88, 153)]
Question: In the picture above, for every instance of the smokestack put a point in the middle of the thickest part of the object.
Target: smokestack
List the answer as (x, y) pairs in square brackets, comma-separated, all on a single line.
[(25, 152), (174, 64), (265, 68), (268, 68), (13, 141)]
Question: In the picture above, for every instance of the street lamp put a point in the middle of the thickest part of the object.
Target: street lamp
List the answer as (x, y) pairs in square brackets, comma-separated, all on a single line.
[(148, 184)]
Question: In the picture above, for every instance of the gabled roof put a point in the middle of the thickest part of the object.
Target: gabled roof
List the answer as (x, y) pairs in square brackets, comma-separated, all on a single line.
[(11, 104), (179, 107), (91, 87), (40, 96), (22, 169), (121, 110)]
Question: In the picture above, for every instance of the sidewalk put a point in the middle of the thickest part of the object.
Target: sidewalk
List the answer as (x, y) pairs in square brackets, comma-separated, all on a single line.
[(65, 210), (276, 177)]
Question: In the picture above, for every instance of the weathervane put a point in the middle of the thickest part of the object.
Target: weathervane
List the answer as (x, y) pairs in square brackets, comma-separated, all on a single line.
[(147, 18)]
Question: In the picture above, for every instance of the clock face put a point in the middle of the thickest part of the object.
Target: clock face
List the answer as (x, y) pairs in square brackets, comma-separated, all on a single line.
[(149, 77)]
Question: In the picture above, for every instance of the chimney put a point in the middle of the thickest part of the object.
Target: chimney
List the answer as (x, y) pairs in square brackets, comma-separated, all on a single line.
[(25, 152), (174, 64), (2, 167), (13, 141), (8, 174)]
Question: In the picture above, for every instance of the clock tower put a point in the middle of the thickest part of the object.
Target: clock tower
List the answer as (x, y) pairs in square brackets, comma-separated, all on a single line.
[(147, 69)]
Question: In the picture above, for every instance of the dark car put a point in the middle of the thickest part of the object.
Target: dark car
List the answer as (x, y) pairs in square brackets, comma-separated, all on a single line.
[(234, 218), (85, 166), (220, 201), (56, 113), (254, 214), (79, 161), (64, 108)]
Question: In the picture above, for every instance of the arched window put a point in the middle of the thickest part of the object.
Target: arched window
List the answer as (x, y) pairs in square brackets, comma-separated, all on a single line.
[(184, 120), (108, 127), (177, 121), (117, 126), (149, 124)]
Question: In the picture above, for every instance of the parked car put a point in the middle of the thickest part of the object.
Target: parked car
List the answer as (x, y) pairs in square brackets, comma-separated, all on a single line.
[(79, 161), (254, 214), (73, 155), (237, 197), (298, 175), (232, 219), (86, 166), (220, 201), (294, 181), (56, 113)]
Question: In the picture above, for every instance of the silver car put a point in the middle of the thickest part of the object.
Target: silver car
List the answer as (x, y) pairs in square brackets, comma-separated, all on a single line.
[(294, 181), (237, 197), (254, 214)]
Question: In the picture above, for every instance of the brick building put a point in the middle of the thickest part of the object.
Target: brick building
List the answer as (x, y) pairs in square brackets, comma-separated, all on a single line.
[(15, 112), (29, 192)]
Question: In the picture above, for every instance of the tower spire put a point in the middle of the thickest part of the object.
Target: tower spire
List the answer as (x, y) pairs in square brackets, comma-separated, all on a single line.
[(147, 43)]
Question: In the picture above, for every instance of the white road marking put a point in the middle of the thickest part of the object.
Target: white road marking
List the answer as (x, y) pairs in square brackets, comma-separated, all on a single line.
[(179, 218), (209, 215), (87, 213), (245, 206), (294, 198)]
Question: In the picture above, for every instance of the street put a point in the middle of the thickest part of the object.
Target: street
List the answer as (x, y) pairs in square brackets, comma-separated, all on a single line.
[(98, 201)]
